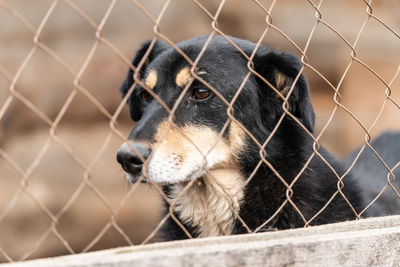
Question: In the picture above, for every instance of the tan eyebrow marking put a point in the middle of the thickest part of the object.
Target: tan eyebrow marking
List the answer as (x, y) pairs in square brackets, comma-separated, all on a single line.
[(151, 79), (283, 83), (281, 80), (183, 77)]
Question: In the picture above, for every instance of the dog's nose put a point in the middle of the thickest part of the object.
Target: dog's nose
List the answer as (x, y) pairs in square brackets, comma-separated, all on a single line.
[(130, 154)]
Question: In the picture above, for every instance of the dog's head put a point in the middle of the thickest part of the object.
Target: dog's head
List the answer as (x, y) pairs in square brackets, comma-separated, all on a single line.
[(202, 137)]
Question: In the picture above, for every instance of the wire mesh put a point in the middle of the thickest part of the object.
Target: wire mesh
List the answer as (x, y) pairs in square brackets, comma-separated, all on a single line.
[(52, 124)]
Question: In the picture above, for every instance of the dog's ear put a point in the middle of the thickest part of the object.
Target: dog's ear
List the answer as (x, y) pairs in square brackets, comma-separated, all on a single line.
[(281, 70), (134, 100), (157, 49)]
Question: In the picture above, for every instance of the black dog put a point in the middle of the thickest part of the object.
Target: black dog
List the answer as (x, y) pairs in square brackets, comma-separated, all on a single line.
[(205, 146), (374, 174)]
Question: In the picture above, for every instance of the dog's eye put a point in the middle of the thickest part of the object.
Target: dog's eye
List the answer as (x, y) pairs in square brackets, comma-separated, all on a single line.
[(146, 96), (201, 93)]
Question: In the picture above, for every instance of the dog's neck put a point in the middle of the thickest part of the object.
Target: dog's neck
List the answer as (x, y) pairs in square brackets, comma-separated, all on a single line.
[(210, 204)]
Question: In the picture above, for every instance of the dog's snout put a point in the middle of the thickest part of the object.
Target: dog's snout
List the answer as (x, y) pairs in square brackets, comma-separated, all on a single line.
[(131, 156)]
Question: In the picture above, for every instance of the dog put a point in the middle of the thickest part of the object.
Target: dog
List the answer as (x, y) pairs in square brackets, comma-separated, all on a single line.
[(374, 173), (230, 161)]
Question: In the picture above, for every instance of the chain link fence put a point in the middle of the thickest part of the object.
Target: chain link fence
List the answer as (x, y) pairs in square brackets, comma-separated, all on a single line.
[(27, 186)]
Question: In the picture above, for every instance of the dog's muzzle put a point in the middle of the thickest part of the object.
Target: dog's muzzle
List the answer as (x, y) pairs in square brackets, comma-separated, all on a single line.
[(131, 156)]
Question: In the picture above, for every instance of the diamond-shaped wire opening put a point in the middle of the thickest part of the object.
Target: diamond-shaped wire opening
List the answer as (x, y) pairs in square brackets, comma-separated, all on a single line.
[(17, 218)]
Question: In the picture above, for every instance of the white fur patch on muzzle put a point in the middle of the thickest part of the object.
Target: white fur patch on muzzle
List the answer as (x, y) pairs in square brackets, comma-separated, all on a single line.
[(183, 154)]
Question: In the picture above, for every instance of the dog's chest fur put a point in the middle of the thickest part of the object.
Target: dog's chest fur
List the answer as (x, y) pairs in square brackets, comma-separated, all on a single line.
[(209, 205)]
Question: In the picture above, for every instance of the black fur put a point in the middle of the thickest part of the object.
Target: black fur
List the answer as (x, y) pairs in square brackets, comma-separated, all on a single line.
[(373, 174), (259, 109), (134, 102)]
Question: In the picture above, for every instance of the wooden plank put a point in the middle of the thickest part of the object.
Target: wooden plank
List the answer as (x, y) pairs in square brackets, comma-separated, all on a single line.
[(365, 242)]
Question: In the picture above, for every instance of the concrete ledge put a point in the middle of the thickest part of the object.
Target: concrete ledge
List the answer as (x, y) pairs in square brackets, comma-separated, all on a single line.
[(365, 242)]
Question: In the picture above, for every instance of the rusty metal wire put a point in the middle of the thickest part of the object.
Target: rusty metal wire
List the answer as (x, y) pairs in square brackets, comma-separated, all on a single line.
[(213, 17)]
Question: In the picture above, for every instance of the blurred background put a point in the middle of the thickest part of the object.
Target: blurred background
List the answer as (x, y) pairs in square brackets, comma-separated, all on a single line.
[(53, 169)]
